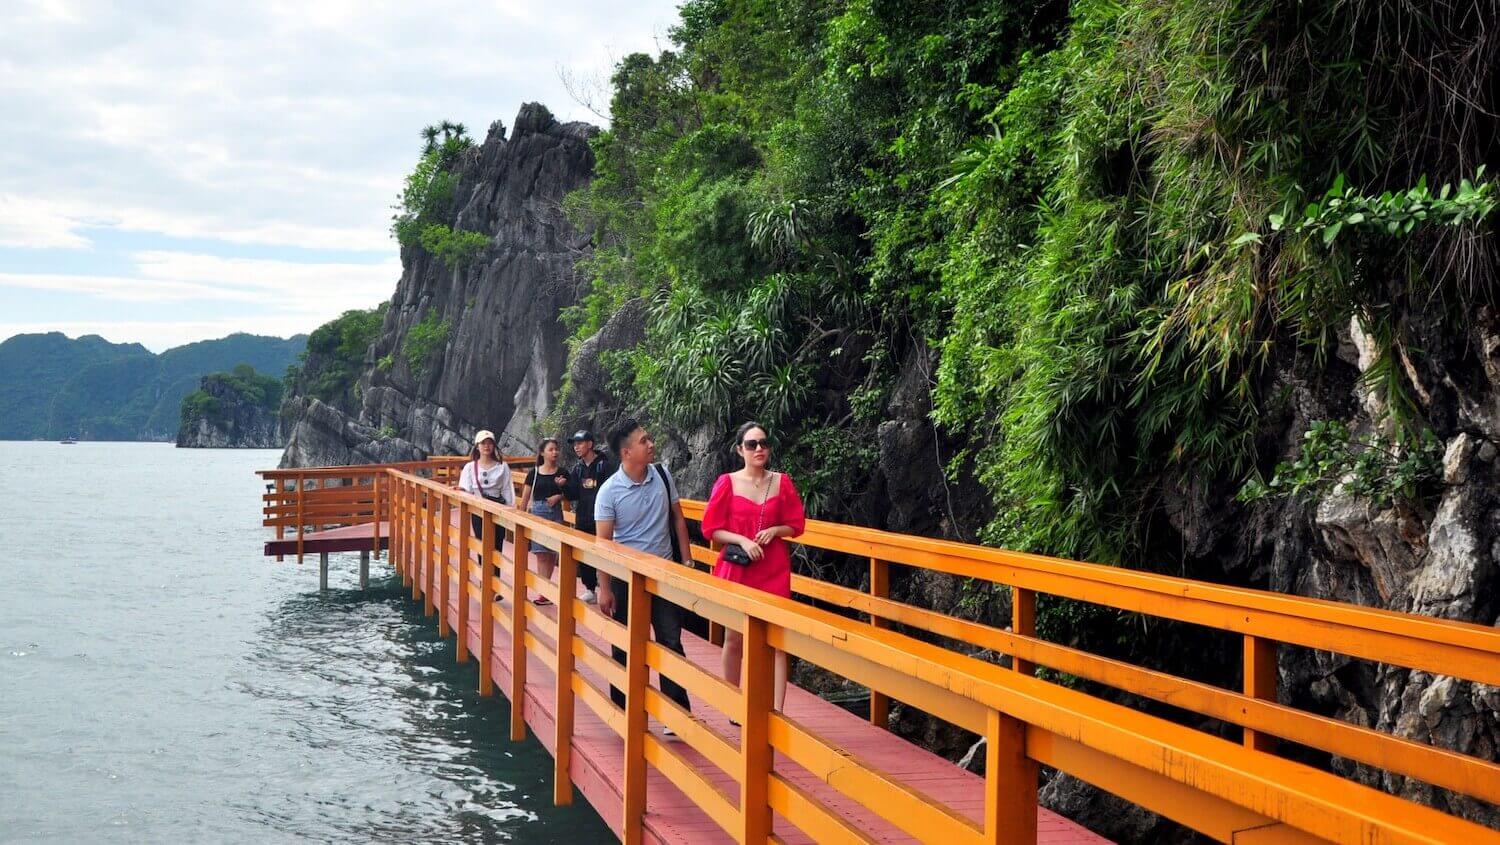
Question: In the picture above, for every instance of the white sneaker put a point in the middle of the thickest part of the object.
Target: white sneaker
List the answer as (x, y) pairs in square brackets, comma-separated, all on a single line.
[(666, 731), (589, 597)]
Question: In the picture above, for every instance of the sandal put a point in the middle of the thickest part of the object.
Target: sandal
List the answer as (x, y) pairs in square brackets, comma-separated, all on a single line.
[(541, 601)]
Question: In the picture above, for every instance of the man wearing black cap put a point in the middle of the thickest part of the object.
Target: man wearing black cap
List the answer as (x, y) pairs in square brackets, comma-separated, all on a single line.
[(583, 485)]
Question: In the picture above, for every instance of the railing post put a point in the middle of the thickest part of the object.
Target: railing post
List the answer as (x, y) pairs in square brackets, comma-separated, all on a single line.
[(715, 630), (757, 680), (382, 513), (562, 744), (409, 517), (880, 587), (1260, 682), (1010, 783), (424, 547), (300, 493), (280, 507), (518, 556), (638, 625), (1022, 623), (486, 604), (464, 532), (445, 532)]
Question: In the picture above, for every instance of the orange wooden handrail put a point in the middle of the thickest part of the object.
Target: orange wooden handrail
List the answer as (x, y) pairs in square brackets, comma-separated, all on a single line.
[(1218, 787)]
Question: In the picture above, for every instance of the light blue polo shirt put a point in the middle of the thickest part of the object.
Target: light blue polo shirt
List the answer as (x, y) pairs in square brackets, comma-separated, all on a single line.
[(639, 511)]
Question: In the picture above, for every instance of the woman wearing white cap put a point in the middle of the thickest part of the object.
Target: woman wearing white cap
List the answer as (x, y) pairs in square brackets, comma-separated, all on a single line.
[(487, 475)]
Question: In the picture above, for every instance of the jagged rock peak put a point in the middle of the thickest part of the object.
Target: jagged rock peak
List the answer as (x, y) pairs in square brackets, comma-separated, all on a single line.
[(500, 350)]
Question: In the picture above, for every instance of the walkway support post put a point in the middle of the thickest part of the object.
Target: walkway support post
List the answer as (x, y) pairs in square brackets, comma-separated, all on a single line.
[(1260, 682), (518, 602), (562, 744), (880, 587), (1010, 783), (464, 532), (757, 681), (638, 626), (486, 604), (364, 570), (322, 572)]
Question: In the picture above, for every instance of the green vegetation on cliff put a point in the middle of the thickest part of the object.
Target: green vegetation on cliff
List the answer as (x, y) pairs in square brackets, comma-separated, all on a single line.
[(243, 386), (335, 354), (426, 201), (1114, 222)]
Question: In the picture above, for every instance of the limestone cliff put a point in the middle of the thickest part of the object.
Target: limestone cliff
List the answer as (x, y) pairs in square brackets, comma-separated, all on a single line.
[(501, 351)]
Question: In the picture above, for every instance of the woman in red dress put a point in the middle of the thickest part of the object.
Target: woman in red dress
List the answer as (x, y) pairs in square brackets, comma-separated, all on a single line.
[(754, 509)]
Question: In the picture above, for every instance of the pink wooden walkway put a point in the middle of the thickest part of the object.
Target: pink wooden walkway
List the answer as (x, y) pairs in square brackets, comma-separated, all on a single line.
[(671, 817)]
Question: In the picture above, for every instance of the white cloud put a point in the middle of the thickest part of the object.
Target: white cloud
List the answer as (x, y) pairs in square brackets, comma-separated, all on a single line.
[(37, 224), (282, 287), (280, 123), (121, 288)]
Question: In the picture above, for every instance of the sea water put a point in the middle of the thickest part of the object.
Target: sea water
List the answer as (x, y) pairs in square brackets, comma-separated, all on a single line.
[(161, 681)]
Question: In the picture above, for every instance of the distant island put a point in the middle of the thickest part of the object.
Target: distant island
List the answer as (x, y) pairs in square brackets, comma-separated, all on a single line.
[(233, 410), (53, 386)]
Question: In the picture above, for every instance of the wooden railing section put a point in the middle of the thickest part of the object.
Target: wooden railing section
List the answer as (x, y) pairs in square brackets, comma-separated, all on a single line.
[(1241, 792)]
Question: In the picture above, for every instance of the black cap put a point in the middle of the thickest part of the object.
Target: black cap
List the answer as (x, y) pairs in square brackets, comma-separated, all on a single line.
[(581, 434)]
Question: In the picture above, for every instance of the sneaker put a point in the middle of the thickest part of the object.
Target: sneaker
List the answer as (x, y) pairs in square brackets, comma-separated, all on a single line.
[(541, 601), (589, 597), (666, 731)]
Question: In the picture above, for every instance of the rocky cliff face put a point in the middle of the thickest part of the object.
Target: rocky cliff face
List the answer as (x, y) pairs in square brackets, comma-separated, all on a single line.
[(503, 353)]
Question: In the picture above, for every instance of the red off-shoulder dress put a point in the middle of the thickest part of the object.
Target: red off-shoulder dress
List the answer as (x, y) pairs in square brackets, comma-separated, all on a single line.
[(728, 511)]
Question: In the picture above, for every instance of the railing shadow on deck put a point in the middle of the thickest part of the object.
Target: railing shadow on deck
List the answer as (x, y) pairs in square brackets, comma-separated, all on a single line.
[(1229, 791)]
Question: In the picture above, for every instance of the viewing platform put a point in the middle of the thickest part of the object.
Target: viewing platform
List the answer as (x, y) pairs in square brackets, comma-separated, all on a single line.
[(819, 773)]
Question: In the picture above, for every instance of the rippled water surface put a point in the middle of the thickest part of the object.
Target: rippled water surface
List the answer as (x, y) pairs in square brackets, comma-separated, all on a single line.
[(161, 681)]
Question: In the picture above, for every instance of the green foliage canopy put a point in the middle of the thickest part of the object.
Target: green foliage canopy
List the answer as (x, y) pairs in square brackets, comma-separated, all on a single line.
[(1113, 221)]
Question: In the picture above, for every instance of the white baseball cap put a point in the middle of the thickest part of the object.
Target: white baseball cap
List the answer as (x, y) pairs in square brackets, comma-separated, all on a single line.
[(483, 435)]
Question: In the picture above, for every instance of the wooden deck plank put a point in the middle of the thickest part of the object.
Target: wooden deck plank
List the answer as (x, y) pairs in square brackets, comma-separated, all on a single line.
[(348, 538), (672, 817)]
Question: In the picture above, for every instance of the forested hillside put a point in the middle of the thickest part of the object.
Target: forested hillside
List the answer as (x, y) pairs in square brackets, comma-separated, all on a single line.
[(1201, 287), (52, 387)]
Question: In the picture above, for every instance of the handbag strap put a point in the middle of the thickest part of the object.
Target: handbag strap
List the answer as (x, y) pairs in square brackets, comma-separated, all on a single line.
[(760, 518)]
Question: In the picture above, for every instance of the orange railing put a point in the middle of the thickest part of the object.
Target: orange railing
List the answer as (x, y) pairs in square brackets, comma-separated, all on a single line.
[(1231, 791), (313, 498)]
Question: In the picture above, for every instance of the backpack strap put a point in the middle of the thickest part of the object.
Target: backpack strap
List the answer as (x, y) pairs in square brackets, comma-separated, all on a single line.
[(671, 529)]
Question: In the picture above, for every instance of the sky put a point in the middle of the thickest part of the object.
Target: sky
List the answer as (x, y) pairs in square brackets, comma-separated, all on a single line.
[(176, 171)]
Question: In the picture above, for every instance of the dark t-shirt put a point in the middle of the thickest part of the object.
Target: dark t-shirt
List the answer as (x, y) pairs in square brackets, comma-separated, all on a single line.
[(584, 481), (547, 486)]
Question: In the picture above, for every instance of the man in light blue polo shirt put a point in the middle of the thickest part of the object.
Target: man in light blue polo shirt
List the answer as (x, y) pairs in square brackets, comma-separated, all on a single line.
[(638, 507)]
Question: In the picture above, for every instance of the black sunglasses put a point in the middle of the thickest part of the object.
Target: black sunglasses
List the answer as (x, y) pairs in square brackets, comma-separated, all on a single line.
[(752, 445)]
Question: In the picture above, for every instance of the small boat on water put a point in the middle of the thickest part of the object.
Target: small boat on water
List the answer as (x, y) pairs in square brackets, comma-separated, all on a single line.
[(68, 441)]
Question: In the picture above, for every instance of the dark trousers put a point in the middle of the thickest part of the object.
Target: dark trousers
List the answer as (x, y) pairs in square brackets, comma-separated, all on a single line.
[(588, 574), (666, 624), (476, 525)]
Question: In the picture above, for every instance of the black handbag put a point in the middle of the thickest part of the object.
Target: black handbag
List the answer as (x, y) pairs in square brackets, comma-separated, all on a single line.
[(732, 553)]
